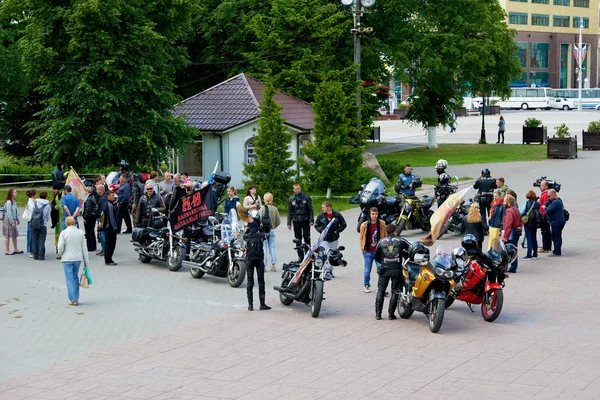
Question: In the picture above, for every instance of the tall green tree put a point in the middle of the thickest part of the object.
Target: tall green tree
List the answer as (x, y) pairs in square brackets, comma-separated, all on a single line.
[(272, 171), (334, 162), (106, 70)]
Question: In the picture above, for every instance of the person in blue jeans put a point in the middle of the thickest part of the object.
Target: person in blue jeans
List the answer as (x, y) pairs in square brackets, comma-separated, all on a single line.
[(555, 213), (532, 208), (371, 231), (72, 248)]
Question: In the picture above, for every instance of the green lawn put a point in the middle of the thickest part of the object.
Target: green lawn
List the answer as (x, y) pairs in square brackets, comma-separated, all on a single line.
[(459, 154), (21, 196)]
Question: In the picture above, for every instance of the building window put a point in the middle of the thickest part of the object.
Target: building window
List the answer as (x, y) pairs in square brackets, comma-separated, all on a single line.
[(562, 2), (540, 19), (522, 81), (521, 1), (560, 21), (516, 18), (564, 65), (250, 152), (586, 22), (539, 78), (522, 53), (581, 3), (540, 1), (538, 55)]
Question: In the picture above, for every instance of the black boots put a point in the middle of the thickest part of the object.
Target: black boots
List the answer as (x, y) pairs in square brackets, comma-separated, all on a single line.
[(263, 305), (378, 308), (250, 300), (393, 304)]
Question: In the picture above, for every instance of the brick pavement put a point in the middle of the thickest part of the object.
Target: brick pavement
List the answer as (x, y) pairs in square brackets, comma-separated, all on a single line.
[(544, 345)]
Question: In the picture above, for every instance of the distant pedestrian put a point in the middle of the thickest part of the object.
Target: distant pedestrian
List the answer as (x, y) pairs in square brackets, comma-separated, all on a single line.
[(56, 214), (58, 176), (371, 231), (31, 197), (544, 225), (512, 227), (473, 224), (453, 123), (301, 214), (109, 224), (501, 129), (252, 200), (555, 213), (502, 186), (485, 186), (89, 214), (531, 210), (123, 199), (137, 191), (269, 244), (38, 236), (496, 217), (70, 206), (231, 200), (72, 250), (10, 222)]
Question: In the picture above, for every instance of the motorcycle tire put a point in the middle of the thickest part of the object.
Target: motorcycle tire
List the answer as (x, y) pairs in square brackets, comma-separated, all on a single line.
[(196, 273), (400, 227), (405, 311), (237, 275), (426, 226), (495, 307), (449, 302), (174, 259), (317, 299), (286, 301), (360, 222), (145, 259), (437, 315)]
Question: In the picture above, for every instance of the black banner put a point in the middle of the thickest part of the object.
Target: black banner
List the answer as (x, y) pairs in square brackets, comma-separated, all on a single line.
[(191, 208)]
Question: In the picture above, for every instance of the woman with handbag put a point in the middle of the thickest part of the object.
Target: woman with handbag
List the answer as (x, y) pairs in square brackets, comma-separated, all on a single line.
[(72, 249), (252, 201), (10, 223)]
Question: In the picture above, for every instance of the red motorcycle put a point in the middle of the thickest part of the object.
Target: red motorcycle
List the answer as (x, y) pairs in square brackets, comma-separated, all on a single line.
[(483, 279)]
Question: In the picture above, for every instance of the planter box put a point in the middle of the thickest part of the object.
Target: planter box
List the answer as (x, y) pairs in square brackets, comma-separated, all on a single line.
[(401, 113), (591, 140), (562, 148), (461, 112), (535, 135), (375, 134), (491, 110)]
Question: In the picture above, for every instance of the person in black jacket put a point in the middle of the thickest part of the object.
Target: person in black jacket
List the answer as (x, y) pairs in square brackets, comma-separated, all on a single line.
[(102, 200), (389, 254), (137, 191), (90, 212), (300, 212), (109, 224), (333, 234), (150, 200), (254, 260), (474, 225), (485, 186)]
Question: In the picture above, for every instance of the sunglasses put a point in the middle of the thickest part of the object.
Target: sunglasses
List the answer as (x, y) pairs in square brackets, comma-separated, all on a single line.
[(150, 190)]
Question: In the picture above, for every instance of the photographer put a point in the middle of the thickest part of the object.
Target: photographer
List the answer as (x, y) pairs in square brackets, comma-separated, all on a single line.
[(485, 186)]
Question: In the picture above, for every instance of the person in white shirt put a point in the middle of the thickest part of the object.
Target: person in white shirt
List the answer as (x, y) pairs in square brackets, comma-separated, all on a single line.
[(72, 249), (38, 236)]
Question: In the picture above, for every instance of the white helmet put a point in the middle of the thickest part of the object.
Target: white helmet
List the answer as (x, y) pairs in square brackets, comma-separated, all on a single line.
[(441, 164)]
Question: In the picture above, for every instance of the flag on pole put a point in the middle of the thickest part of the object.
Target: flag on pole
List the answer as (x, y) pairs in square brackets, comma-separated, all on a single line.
[(579, 53), (77, 187), (442, 214)]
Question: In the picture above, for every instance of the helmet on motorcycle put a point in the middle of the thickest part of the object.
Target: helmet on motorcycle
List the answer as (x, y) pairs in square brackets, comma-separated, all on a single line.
[(441, 164), (417, 248), (158, 223), (461, 256), (485, 172), (469, 243), (511, 249), (254, 214)]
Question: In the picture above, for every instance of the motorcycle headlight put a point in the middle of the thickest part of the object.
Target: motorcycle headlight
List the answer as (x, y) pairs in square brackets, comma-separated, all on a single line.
[(440, 271), (318, 263), (449, 274), (237, 244), (408, 207)]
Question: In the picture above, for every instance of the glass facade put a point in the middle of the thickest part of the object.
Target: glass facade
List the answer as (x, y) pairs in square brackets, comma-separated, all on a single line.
[(586, 22), (516, 18), (562, 2), (522, 54), (539, 78), (581, 3), (540, 1), (562, 21), (538, 55), (564, 66)]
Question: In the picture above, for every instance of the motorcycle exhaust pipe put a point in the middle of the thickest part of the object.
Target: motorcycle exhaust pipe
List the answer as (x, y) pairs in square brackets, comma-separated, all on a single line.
[(293, 296), (191, 264)]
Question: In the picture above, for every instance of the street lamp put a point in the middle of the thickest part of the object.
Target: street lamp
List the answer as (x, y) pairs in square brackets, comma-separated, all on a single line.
[(358, 8)]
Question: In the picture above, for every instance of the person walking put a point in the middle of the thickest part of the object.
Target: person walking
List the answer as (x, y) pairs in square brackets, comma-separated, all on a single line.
[(301, 214), (38, 235), (89, 214), (512, 227), (70, 206), (333, 234), (371, 231), (56, 213), (123, 198), (109, 224), (496, 217), (501, 129), (485, 186), (530, 215), (10, 223), (453, 122), (252, 200), (473, 225), (555, 213), (72, 250), (31, 197), (254, 261), (544, 225), (232, 199), (272, 213), (102, 200)]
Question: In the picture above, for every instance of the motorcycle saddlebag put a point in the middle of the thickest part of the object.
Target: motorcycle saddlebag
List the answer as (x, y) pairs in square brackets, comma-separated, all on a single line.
[(222, 177), (140, 234)]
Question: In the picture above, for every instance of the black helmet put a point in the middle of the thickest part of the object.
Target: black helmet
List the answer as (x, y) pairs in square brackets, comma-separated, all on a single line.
[(485, 172), (417, 248), (158, 223), (469, 243), (444, 179), (417, 183)]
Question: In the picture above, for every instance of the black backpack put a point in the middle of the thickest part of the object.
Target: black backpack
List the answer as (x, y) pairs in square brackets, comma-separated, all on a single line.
[(266, 221), (37, 217), (254, 247)]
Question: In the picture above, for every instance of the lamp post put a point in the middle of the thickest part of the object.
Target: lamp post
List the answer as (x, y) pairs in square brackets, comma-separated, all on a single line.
[(482, 138), (358, 8), (580, 56)]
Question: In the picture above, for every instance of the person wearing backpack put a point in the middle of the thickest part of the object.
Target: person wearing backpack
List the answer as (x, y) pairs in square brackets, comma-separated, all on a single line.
[(90, 214), (270, 220), (39, 222), (254, 260), (530, 215)]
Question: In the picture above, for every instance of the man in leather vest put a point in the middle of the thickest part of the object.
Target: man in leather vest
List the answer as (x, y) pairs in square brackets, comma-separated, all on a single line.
[(485, 186), (149, 201), (389, 254), (301, 214)]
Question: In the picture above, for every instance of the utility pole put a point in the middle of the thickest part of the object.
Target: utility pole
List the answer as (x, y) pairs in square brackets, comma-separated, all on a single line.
[(580, 61)]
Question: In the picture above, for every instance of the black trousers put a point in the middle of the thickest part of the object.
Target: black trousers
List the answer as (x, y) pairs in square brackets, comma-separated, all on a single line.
[(385, 275), (251, 265), (302, 230), (111, 244), (500, 133), (546, 235), (90, 237), (484, 210), (123, 214)]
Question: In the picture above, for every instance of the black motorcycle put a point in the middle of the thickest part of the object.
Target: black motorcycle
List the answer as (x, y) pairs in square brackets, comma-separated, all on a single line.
[(155, 242), (223, 255), (373, 194), (456, 222)]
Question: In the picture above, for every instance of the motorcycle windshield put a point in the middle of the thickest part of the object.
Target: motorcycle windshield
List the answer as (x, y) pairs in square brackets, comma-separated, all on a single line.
[(444, 257), (373, 188), (498, 254), (228, 226)]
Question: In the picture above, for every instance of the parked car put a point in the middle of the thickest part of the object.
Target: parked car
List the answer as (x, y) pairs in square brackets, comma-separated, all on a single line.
[(563, 104)]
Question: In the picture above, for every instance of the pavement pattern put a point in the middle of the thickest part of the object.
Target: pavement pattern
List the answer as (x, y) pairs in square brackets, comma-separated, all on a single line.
[(143, 332)]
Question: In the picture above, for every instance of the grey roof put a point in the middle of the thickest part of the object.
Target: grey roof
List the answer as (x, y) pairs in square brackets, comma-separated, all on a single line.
[(235, 101)]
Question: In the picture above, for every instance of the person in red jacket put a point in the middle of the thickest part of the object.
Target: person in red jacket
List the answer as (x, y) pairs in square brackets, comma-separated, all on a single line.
[(512, 226), (544, 225)]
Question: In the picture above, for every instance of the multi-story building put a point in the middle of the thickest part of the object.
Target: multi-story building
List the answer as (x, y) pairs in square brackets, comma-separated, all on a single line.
[(547, 33)]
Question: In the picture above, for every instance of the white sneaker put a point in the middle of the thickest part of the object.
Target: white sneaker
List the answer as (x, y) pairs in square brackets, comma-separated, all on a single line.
[(367, 288)]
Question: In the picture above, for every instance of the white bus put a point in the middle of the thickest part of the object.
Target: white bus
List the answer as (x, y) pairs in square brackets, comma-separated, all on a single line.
[(590, 98), (523, 98)]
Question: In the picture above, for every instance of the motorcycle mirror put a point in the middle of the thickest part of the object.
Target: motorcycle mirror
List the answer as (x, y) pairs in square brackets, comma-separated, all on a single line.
[(341, 248), (456, 177)]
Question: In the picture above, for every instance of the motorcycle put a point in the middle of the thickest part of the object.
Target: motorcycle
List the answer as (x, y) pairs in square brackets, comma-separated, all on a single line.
[(483, 281), (443, 192), (416, 213), (456, 222), (304, 282), (154, 242), (373, 194), (223, 255), (427, 284)]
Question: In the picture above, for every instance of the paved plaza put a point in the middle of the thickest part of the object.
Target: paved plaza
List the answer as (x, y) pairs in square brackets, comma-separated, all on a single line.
[(143, 332)]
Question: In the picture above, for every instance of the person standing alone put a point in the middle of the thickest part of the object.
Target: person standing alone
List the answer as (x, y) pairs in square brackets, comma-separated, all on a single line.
[(501, 129), (371, 231), (254, 256), (301, 214)]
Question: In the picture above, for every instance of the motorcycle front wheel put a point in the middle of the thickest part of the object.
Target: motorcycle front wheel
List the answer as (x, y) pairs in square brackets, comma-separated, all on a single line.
[(175, 258), (492, 309), (237, 274), (400, 227), (196, 273), (426, 227), (404, 310), (317, 299), (437, 315), (145, 259), (360, 222)]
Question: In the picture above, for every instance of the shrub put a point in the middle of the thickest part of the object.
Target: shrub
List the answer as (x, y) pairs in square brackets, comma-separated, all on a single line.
[(403, 106), (391, 168), (533, 123), (594, 126), (562, 131)]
